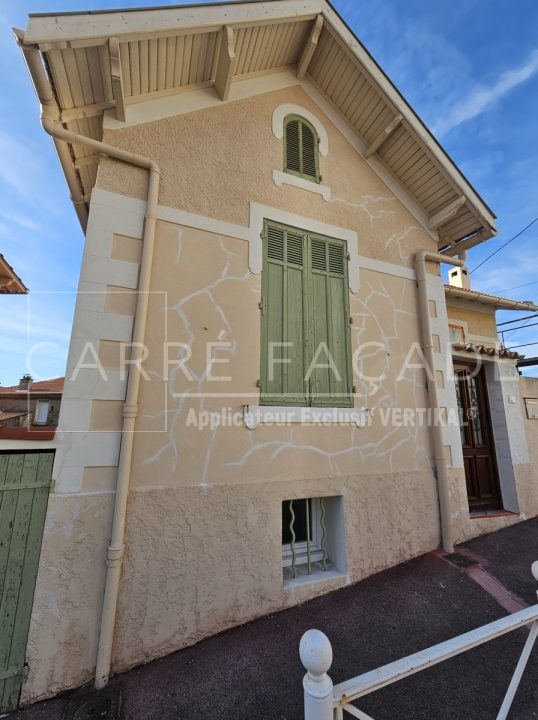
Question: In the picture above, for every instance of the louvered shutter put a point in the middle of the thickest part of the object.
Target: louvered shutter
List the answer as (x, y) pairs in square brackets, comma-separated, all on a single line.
[(309, 151), (301, 148), (293, 146), (329, 332), (283, 317)]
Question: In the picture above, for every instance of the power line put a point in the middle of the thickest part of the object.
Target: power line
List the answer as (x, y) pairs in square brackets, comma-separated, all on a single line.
[(516, 287), (510, 322), (525, 326), (505, 244), (520, 346), (510, 331)]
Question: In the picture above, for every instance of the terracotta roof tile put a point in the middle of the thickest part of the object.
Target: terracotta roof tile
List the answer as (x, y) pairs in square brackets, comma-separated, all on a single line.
[(54, 385), (11, 415), (501, 352)]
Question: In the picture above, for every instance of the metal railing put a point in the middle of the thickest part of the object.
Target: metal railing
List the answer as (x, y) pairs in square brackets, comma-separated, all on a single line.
[(323, 701)]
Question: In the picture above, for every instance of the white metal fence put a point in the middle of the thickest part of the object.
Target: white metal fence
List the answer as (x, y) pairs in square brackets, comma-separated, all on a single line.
[(323, 701)]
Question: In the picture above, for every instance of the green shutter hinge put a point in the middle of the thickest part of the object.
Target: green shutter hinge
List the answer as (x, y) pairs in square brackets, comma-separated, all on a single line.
[(52, 486), (261, 305), (258, 383), (348, 256), (350, 320), (354, 389)]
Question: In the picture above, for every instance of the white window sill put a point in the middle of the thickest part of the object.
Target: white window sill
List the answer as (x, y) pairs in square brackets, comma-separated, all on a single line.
[(281, 178), (317, 576), (254, 415)]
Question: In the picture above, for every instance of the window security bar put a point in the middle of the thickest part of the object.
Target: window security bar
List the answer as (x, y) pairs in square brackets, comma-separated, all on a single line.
[(323, 701), (307, 534)]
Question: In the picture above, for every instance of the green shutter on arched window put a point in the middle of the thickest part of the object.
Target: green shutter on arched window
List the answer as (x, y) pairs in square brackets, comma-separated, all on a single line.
[(301, 151)]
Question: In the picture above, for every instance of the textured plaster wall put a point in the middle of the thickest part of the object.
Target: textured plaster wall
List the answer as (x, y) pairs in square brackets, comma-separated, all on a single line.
[(215, 161), (203, 559), (480, 322), (69, 590), (528, 387), (204, 519)]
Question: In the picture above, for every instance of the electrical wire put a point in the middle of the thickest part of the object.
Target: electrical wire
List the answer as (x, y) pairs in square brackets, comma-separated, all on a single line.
[(516, 287), (505, 244)]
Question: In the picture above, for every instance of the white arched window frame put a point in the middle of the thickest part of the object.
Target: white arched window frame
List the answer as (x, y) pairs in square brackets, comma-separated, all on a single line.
[(281, 177)]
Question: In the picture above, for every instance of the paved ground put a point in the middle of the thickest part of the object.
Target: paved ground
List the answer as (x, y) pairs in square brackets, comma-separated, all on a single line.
[(253, 672)]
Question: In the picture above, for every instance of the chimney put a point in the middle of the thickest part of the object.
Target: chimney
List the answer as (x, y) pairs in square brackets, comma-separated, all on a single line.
[(25, 382), (459, 277)]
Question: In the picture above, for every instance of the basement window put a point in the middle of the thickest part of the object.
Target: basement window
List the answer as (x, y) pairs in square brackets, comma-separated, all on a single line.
[(312, 539)]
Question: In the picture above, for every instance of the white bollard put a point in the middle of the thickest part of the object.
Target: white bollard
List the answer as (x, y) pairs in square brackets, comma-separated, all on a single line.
[(316, 655)]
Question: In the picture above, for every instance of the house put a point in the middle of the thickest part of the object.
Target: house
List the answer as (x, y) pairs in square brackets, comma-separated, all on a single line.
[(33, 407), (499, 435), (259, 404)]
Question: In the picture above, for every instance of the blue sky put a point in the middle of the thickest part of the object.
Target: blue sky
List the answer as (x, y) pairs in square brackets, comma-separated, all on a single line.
[(470, 69)]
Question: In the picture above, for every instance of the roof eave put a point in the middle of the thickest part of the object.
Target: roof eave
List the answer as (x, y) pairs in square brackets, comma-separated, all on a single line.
[(499, 303), (61, 30)]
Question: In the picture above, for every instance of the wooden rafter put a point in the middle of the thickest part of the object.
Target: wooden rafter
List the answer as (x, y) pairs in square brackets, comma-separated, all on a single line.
[(226, 64), (446, 213), (384, 135), (86, 160), (117, 80), (86, 111), (472, 241), (309, 48)]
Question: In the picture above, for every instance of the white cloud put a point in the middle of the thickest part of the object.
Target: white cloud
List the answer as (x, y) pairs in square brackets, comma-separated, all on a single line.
[(481, 98), (19, 220)]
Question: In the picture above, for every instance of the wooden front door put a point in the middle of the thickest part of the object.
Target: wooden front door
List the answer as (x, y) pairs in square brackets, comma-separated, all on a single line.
[(477, 439), (24, 491)]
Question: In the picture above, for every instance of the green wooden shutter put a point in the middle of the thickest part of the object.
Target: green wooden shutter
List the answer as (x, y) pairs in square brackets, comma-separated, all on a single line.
[(301, 151), (283, 319), (309, 152), (24, 490), (329, 331), (293, 146)]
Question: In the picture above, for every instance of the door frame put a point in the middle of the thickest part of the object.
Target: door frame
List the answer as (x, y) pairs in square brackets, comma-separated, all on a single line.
[(477, 371)]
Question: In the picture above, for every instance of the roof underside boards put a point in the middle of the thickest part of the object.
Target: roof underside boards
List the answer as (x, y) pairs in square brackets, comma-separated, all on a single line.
[(165, 51)]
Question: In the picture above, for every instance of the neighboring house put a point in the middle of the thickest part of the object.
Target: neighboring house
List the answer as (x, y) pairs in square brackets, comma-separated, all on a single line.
[(35, 404), (499, 434), (263, 215), (10, 282)]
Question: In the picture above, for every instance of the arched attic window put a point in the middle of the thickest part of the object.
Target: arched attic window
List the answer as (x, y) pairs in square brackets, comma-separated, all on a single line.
[(301, 148)]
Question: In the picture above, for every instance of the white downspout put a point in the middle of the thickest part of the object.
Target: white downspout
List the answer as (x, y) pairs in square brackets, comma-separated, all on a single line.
[(422, 257), (50, 120)]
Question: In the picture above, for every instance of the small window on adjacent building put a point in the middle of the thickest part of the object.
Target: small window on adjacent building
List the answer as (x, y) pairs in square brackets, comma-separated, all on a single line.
[(41, 414), (312, 538), (301, 148)]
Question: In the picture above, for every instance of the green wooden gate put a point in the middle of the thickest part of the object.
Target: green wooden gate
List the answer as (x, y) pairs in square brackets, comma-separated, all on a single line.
[(25, 479)]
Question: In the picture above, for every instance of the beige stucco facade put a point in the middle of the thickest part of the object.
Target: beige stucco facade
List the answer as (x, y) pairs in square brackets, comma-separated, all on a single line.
[(204, 536)]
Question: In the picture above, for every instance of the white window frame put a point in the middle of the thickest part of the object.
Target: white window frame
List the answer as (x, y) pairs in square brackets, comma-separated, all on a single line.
[(40, 405)]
